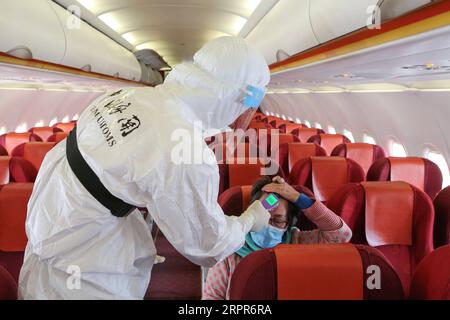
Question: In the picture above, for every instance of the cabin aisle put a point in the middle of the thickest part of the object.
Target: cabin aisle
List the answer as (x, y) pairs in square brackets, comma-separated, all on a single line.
[(176, 278)]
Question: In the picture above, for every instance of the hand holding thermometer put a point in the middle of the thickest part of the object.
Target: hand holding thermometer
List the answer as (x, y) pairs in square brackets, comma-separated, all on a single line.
[(271, 202)]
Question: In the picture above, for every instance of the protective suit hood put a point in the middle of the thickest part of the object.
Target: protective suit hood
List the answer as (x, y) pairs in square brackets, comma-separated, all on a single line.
[(211, 88)]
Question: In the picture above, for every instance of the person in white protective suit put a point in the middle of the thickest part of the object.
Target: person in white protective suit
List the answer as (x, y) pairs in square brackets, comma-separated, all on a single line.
[(130, 139)]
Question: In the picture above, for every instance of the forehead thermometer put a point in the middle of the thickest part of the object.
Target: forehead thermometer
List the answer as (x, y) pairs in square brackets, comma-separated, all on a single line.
[(271, 202)]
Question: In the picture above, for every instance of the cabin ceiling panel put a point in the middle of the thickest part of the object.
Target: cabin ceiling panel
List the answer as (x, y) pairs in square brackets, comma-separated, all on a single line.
[(177, 27)]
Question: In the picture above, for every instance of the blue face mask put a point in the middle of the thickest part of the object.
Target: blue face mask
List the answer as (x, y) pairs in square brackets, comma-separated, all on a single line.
[(253, 96), (268, 237)]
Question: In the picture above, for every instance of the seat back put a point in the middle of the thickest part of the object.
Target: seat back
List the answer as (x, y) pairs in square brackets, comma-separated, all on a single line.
[(311, 272), (229, 153), (11, 140), (421, 173), (325, 175), (290, 127), (66, 127), (329, 141), (442, 218), (57, 137), (15, 169), (44, 132), (33, 152), (246, 173), (364, 154), (395, 217), (292, 153), (304, 134), (14, 199), (431, 280), (3, 151), (276, 123), (4, 170), (8, 287)]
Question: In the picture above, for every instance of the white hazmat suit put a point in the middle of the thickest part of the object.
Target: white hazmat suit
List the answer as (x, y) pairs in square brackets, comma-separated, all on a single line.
[(143, 144)]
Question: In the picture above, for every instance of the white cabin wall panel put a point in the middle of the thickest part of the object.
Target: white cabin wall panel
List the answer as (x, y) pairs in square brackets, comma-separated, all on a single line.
[(32, 24), (27, 107), (333, 18), (87, 46), (415, 119), (286, 27)]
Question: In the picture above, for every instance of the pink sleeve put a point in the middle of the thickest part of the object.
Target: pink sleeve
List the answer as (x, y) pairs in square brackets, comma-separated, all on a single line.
[(323, 218), (332, 229), (216, 285)]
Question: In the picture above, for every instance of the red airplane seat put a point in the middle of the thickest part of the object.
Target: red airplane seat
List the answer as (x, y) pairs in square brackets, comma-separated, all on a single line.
[(421, 173), (229, 153), (245, 171), (431, 280), (11, 140), (395, 217), (15, 169), (290, 127), (364, 154), (258, 125), (442, 218), (13, 211), (329, 141), (235, 200), (3, 151), (276, 123), (57, 137), (8, 287), (315, 272), (291, 153), (66, 127), (324, 176), (304, 134), (33, 152), (44, 132)]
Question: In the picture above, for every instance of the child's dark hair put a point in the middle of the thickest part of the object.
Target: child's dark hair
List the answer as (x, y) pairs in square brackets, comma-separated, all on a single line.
[(257, 193)]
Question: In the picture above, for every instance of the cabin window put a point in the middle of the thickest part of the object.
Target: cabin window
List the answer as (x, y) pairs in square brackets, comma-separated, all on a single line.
[(349, 135), (39, 124), (396, 149), (3, 130), (65, 119), (331, 130), (283, 117), (21, 128), (291, 119), (267, 113), (76, 117), (297, 120), (439, 159), (52, 122), (277, 115), (318, 125), (308, 124), (369, 139)]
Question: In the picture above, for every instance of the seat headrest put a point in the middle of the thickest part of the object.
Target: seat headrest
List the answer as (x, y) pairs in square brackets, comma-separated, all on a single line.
[(328, 175), (319, 272), (411, 170), (362, 153), (305, 134), (330, 141), (299, 151), (4, 170), (13, 212), (389, 213)]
